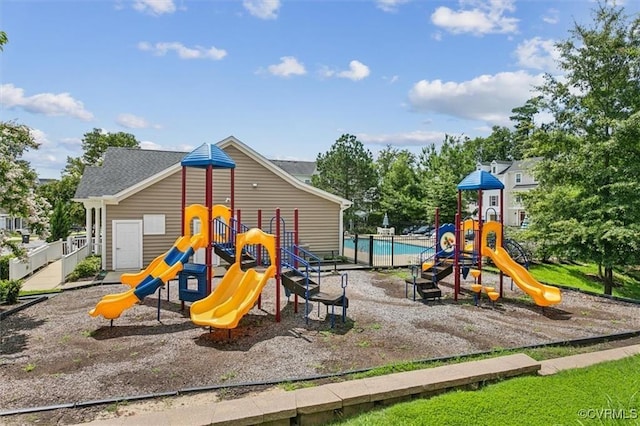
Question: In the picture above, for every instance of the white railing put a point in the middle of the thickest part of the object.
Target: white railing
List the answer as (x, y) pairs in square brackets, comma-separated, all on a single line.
[(35, 260), (74, 243), (70, 261)]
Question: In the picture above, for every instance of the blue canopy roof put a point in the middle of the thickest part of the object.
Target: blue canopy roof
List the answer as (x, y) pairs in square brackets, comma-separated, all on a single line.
[(480, 180), (208, 155)]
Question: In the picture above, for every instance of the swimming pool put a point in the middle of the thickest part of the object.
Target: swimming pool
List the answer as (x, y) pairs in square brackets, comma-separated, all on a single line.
[(385, 246)]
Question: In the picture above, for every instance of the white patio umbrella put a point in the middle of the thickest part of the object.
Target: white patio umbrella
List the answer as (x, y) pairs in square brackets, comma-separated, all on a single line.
[(385, 220)]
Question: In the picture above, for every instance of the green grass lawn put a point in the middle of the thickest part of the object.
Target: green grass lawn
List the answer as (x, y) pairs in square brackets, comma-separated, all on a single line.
[(572, 397), (583, 277)]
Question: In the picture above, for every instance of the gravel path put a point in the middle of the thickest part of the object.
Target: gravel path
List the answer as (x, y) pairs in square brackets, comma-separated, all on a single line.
[(54, 352)]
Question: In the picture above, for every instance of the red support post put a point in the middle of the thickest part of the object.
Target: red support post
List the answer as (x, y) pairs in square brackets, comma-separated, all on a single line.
[(480, 235), (295, 252), (456, 258), (278, 265), (259, 255), (501, 233), (184, 197), (209, 203), (233, 189)]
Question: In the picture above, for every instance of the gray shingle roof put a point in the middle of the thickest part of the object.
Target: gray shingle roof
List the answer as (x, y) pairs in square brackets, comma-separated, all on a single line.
[(525, 164), (296, 168), (123, 168)]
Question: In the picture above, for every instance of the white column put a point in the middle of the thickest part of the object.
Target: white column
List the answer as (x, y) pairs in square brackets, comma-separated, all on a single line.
[(103, 235), (87, 211), (98, 230)]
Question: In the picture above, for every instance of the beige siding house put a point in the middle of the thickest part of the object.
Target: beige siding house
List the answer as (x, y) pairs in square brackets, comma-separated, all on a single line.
[(517, 179), (135, 197)]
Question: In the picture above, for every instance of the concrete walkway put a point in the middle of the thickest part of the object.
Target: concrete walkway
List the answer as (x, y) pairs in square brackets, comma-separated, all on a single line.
[(325, 403), (47, 278)]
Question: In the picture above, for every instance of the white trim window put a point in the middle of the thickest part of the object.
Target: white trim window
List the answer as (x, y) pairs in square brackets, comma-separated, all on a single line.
[(518, 177), (493, 200)]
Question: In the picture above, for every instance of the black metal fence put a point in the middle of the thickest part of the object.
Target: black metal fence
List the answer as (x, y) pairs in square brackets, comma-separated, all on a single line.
[(387, 251)]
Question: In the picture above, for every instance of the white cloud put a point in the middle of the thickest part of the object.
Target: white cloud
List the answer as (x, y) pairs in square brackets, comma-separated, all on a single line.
[(52, 104), (539, 54), (392, 79), (40, 137), (415, 138), (151, 145), (357, 71), (154, 7), (326, 72), (183, 52), (51, 156), (484, 17), (72, 142), (552, 16), (263, 9), (157, 147), (131, 121), (287, 67), (488, 98), (390, 5)]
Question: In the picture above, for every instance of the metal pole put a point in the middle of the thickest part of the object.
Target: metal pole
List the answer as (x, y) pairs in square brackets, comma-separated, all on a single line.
[(184, 199), (209, 202), (233, 189), (259, 255), (501, 233), (278, 266), (480, 234)]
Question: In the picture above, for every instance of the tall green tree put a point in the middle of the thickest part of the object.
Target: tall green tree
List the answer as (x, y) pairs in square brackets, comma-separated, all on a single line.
[(348, 170), (590, 148), (60, 222), (94, 145), (441, 170), (18, 195), (3, 40), (500, 145), (400, 194), (96, 142)]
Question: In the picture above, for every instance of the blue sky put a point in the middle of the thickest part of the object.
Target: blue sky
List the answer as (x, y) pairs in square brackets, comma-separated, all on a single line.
[(285, 77)]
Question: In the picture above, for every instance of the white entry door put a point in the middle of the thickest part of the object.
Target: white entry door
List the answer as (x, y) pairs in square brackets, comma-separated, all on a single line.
[(127, 244)]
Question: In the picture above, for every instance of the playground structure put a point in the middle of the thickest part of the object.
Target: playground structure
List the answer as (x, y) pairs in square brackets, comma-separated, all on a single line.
[(460, 247), (245, 249)]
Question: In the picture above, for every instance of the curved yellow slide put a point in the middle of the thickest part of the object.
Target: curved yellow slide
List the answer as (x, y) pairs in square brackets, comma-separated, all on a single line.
[(543, 295), (111, 306), (157, 267), (238, 291)]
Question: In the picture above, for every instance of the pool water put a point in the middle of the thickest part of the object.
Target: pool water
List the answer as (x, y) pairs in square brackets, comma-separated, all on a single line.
[(384, 246)]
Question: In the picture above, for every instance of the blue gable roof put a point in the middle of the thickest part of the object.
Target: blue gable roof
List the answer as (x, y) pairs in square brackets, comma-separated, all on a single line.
[(208, 155), (480, 180)]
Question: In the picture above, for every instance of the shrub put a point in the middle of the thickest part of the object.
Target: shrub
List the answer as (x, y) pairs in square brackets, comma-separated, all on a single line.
[(10, 290), (89, 267), (4, 266)]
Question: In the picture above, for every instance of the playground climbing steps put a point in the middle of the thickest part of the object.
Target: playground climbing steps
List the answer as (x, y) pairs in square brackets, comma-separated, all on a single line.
[(296, 282), (227, 252)]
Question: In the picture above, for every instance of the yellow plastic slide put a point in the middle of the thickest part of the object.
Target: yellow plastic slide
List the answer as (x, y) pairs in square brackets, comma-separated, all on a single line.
[(111, 306), (157, 266), (542, 295), (238, 291), (233, 298)]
